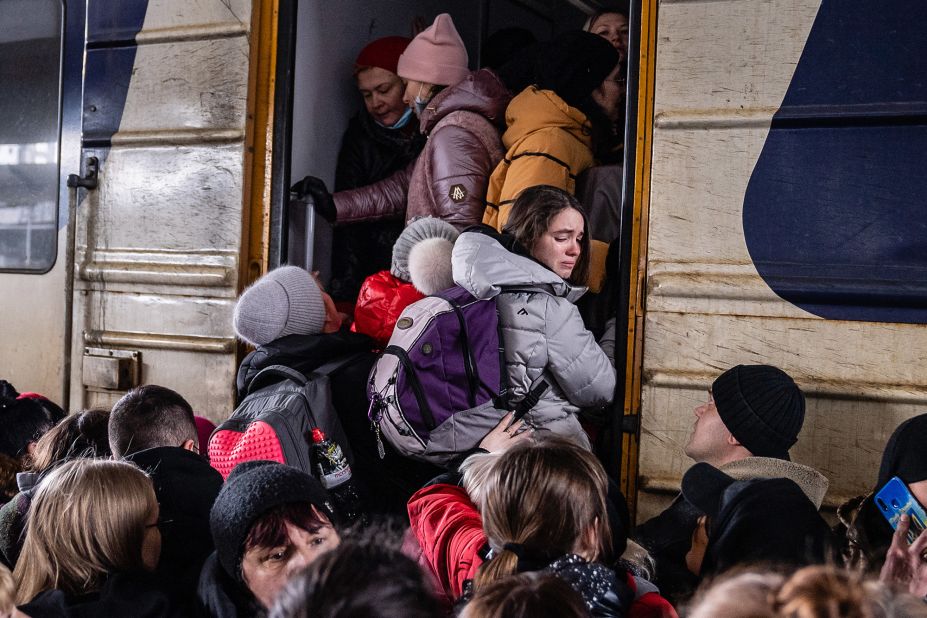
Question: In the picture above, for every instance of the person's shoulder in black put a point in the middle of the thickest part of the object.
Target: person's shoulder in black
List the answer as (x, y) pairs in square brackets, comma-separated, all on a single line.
[(123, 594)]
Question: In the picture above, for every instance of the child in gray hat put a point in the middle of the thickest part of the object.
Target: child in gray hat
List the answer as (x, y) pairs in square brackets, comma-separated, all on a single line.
[(285, 301)]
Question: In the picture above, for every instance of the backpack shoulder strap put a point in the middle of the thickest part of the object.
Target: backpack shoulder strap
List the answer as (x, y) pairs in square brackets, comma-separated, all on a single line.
[(272, 374)]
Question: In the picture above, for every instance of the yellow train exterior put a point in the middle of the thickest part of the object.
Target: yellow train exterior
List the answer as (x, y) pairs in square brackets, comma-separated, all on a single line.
[(166, 116)]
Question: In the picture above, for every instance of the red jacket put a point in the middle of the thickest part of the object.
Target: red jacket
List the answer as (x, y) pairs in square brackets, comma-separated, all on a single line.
[(449, 530), (380, 302)]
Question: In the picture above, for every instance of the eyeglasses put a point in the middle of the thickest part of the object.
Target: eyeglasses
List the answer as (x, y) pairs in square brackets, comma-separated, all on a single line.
[(160, 522)]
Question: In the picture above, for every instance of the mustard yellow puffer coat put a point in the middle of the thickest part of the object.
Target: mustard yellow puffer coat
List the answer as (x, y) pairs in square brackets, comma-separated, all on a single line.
[(547, 143)]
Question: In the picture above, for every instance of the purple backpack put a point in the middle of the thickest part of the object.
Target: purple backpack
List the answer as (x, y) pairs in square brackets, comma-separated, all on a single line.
[(439, 387)]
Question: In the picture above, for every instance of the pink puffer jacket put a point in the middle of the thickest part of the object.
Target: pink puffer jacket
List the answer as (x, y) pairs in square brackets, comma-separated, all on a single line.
[(449, 178)]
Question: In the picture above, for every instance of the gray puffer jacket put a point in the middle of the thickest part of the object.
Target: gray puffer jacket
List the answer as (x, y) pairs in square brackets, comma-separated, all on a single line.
[(544, 335)]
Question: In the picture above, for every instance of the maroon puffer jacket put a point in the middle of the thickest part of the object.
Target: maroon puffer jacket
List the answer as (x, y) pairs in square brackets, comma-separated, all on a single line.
[(448, 180)]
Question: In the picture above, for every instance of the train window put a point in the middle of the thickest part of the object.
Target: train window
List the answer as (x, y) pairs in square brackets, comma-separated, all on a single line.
[(30, 56)]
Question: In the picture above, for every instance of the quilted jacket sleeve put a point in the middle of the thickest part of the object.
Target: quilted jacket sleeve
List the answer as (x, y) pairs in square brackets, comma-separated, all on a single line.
[(450, 531), (460, 170), (383, 199), (581, 368)]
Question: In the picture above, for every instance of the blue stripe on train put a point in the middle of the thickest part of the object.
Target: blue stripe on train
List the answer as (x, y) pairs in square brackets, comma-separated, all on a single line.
[(111, 31), (835, 213)]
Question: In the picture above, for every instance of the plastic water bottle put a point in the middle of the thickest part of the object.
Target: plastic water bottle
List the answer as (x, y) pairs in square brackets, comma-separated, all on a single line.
[(334, 473)]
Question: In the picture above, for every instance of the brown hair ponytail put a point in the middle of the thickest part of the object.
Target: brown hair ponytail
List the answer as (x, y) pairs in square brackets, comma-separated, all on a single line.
[(541, 501)]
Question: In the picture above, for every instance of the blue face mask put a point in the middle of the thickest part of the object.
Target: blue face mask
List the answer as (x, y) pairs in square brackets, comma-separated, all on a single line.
[(403, 120), (419, 102)]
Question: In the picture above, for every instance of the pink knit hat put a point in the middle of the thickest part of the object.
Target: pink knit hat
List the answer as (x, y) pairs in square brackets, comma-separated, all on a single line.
[(436, 56)]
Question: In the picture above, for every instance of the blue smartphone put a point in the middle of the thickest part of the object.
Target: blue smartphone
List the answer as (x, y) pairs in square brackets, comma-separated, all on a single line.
[(895, 500)]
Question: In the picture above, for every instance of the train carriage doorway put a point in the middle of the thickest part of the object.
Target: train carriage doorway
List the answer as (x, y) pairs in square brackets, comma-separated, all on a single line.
[(316, 97)]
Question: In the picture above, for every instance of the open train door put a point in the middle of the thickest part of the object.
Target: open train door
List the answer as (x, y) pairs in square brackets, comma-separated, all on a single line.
[(41, 58)]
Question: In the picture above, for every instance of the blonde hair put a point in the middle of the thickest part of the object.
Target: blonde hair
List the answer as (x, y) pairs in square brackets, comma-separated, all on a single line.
[(474, 470), (812, 592), (830, 592), (741, 595), (547, 496), (7, 591), (87, 519)]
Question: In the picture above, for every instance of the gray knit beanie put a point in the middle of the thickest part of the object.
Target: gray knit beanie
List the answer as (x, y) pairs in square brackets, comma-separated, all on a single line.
[(762, 407), (418, 230), (285, 301)]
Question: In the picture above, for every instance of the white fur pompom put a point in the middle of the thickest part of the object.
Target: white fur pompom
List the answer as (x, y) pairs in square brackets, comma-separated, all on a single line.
[(430, 265)]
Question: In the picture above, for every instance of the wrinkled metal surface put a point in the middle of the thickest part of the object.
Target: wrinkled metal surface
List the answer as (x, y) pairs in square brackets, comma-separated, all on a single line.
[(723, 68), (158, 243)]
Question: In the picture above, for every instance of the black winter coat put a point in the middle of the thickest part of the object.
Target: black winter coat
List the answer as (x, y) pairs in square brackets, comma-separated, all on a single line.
[(604, 595), (368, 153), (123, 594), (186, 487), (668, 537), (220, 596)]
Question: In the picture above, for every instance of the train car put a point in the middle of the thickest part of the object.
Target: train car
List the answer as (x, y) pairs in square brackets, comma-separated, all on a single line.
[(771, 199), (785, 224)]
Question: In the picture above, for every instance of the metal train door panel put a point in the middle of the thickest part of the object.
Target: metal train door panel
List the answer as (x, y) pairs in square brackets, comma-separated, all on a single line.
[(778, 231), (40, 69), (159, 240)]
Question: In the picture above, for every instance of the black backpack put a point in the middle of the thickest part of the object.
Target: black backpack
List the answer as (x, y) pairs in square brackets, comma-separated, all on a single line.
[(275, 419)]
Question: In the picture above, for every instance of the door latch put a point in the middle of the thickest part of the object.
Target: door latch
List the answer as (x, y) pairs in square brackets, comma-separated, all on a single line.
[(90, 177)]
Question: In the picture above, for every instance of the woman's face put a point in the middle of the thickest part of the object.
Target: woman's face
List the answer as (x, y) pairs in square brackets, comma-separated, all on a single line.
[(559, 247), (613, 27), (414, 89), (696, 554), (266, 570), (609, 96), (382, 91), (151, 542)]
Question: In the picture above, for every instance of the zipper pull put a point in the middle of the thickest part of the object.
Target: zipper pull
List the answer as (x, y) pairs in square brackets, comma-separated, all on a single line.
[(381, 451)]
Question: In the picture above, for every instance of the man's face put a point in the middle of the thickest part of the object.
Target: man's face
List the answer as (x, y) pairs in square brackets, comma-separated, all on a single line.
[(710, 441)]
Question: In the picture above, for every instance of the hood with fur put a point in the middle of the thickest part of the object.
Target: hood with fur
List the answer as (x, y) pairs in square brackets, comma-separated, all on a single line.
[(812, 483)]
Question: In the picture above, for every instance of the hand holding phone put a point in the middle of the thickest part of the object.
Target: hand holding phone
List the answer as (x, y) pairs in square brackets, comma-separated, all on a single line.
[(895, 500), (905, 565)]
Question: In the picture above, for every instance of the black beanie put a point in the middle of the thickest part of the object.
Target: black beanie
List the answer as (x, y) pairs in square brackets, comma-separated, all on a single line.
[(762, 407), (252, 489), (574, 64), (905, 455)]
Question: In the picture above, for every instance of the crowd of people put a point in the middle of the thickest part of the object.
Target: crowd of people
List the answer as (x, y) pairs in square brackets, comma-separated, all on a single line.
[(121, 511)]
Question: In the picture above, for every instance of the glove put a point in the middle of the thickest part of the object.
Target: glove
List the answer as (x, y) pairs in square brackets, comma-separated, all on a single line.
[(322, 200)]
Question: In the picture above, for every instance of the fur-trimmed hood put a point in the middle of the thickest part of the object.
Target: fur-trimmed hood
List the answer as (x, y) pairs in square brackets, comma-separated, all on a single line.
[(812, 483)]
